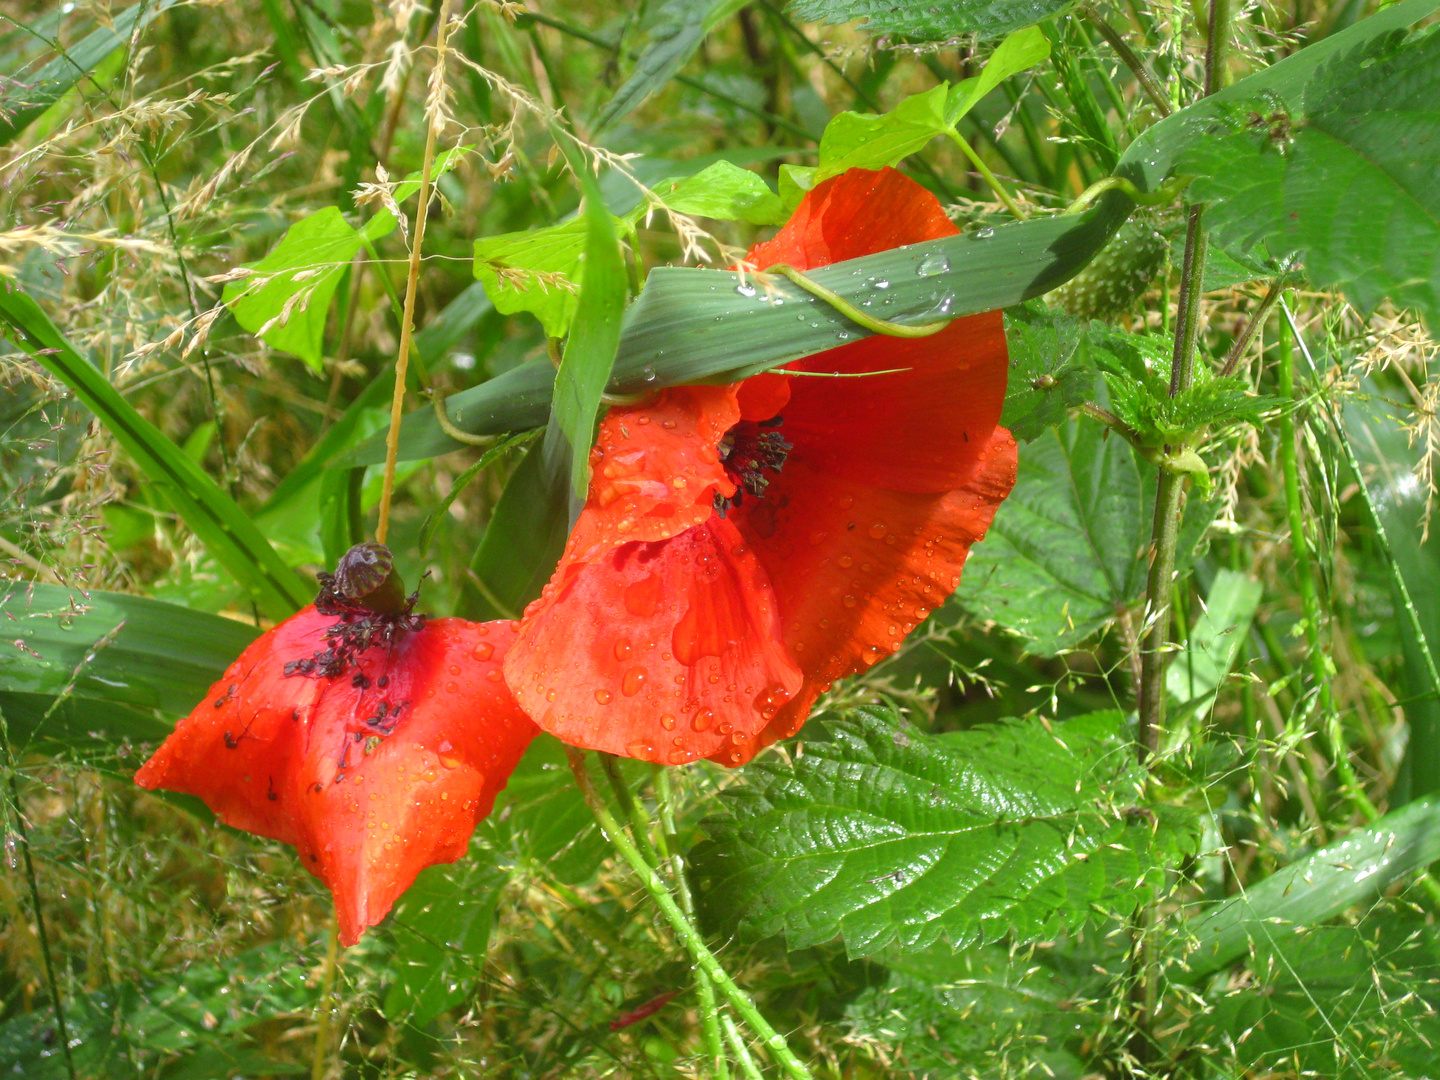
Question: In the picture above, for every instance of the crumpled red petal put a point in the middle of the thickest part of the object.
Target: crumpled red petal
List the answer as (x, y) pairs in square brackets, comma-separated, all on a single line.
[(373, 775), (666, 651)]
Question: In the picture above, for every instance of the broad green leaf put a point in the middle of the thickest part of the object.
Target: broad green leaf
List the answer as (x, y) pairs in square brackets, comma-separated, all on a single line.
[(724, 191), (1067, 551), (891, 837), (1197, 671), (937, 21), (867, 141), (441, 928), (212, 515), (1313, 889), (1351, 183), (25, 97), (1151, 158), (692, 325), (1020, 50), (125, 650), (680, 27), (540, 271), (286, 300), (795, 181), (1048, 375)]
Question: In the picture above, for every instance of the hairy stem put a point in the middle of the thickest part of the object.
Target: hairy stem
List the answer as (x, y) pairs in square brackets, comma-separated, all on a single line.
[(684, 928), (407, 321)]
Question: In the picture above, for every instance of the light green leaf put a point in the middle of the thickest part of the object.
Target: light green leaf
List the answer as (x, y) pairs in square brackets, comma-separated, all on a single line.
[(1020, 50), (795, 181), (1199, 668), (937, 21), (724, 191), (891, 837), (865, 141), (540, 271)]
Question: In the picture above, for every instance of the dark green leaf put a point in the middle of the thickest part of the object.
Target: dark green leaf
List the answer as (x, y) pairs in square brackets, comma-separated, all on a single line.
[(1352, 183), (1066, 553), (216, 520), (937, 21), (125, 650), (885, 835), (1048, 376), (27, 96)]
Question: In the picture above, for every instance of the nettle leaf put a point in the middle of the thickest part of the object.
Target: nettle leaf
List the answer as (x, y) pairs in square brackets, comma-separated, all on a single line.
[(891, 837), (1351, 182), (1048, 373), (937, 21), (1160, 419), (867, 141), (1066, 553), (539, 271), (724, 191)]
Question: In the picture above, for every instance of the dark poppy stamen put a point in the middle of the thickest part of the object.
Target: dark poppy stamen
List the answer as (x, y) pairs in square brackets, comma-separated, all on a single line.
[(748, 451)]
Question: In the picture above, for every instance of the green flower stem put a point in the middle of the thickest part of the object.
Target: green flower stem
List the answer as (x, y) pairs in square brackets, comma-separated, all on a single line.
[(854, 314), (984, 170), (639, 823), (1316, 656), (704, 988), (742, 1052), (325, 1012), (684, 928)]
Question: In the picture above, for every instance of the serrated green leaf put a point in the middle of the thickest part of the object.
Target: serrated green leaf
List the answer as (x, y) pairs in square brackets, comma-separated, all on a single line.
[(1048, 374), (125, 650), (937, 21), (1352, 184), (890, 837), (724, 191), (225, 530), (1066, 553)]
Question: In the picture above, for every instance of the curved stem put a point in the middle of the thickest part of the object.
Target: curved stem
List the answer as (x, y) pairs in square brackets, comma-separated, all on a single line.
[(407, 320), (854, 314), (1166, 193), (684, 928), (984, 170)]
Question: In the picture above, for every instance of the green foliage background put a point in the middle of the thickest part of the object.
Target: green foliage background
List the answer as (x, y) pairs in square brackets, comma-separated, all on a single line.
[(962, 869)]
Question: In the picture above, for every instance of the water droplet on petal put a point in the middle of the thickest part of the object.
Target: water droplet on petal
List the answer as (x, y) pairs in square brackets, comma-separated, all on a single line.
[(641, 748), (633, 681), (622, 650), (602, 696), (877, 530), (702, 719), (668, 721), (483, 651)]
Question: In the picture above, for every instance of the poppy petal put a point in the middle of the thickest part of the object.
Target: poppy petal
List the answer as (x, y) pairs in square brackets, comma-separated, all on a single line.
[(655, 467), (923, 428), (856, 569), (665, 651), (858, 213), (372, 775)]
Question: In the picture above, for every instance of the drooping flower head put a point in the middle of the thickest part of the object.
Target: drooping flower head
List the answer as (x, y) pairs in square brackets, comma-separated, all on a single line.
[(370, 738), (744, 546)]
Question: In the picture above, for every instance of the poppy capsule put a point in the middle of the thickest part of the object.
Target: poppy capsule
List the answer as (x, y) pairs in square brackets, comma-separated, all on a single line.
[(744, 546), (370, 738)]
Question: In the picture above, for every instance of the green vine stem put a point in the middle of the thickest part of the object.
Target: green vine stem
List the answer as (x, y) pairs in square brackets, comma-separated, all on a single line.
[(984, 170), (854, 314), (684, 928), (704, 989), (1163, 195)]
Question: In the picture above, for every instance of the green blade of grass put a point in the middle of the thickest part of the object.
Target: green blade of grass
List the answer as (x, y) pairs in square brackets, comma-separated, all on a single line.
[(225, 530)]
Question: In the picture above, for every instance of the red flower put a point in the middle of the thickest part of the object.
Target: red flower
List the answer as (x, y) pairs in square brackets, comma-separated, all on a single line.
[(372, 741), (744, 546)]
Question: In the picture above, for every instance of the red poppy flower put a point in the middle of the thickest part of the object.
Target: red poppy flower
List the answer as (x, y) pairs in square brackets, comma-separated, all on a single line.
[(372, 741), (744, 546)]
